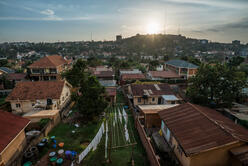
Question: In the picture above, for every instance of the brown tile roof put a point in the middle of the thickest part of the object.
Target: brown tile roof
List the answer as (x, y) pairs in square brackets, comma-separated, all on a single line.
[(164, 74), (199, 129), (111, 91), (153, 89), (10, 127), (36, 90), (104, 73), (16, 76), (49, 61), (132, 76)]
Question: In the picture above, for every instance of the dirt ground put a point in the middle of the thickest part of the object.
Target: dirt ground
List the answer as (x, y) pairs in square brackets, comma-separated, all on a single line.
[(44, 161)]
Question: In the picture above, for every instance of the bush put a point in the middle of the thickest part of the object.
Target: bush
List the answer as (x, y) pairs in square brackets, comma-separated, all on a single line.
[(43, 122)]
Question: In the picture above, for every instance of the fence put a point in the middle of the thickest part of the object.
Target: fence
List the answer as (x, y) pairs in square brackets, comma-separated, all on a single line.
[(153, 158)]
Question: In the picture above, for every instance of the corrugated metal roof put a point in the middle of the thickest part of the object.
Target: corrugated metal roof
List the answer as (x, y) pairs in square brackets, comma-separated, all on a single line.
[(181, 63), (169, 97), (6, 70), (138, 89), (198, 128)]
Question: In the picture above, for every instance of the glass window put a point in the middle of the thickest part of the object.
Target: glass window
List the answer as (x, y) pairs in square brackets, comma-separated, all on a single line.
[(18, 105), (139, 99)]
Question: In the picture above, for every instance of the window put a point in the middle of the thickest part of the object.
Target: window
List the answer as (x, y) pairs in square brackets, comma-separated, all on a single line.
[(66, 93), (139, 99), (153, 99), (173, 102), (32, 104), (18, 105)]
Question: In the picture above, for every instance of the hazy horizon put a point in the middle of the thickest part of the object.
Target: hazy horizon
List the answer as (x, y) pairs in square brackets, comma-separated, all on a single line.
[(67, 20)]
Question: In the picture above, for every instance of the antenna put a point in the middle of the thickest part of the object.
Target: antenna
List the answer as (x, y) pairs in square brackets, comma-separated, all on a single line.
[(90, 36), (179, 30)]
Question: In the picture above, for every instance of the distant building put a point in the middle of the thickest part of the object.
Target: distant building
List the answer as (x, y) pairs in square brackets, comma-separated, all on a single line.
[(118, 38), (162, 75), (13, 138), (131, 77), (148, 94), (129, 71), (39, 95), (204, 41), (236, 42), (48, 68), (6, 70), (182, 68), (200, 136)]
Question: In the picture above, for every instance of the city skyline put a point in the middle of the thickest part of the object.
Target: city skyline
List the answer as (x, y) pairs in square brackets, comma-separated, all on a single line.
[(51, 21)]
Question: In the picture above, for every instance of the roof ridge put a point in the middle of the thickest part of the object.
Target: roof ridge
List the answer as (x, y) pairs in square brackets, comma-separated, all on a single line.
[(215, 122)]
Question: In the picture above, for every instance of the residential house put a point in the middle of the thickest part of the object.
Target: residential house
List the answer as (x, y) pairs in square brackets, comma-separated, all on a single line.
[(48, 68), (182, 68), (163, 75), (131, 77), (13, 139), (39, 95), (110, 87), (105, 75), (200, 136), (150, 114), (145, 94)]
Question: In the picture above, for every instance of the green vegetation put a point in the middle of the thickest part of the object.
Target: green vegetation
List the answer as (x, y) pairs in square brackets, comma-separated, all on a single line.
[(2, 100), (77, 141), (43, 122), (89, 100), (219, 84)]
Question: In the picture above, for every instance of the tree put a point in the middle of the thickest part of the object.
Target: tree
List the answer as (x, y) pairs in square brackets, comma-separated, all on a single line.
[(236, 61), (218, 84), (91, 100), (76, 74), (153, 64)]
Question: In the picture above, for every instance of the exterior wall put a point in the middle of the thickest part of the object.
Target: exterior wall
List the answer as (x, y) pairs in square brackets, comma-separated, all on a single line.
[(65, 96), (145, 101), (152, 120), (215, 157), (26, 106), (13, 149), (153, 158), (220, 157)]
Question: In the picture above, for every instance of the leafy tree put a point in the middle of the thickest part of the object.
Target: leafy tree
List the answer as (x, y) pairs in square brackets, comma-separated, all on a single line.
[(219, 84), (153, 64), (4, 62), (76, 74), (93, 62), (91, 100), (236, 61)]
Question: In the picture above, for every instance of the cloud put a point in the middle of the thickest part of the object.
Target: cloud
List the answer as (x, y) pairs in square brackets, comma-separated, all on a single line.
[(48, 12)]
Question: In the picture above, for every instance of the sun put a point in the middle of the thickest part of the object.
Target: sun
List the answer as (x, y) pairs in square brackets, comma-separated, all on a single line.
[(152, 28)]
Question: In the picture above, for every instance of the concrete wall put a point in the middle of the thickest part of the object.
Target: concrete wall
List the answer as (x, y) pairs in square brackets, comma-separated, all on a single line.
[(9, 154), (153, 158), (26, 106)]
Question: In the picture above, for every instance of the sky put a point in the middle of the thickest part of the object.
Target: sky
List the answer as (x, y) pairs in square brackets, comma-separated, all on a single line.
[(76, 20)]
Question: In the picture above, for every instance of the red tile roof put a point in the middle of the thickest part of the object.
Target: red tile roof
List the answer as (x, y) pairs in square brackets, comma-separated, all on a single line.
[(16, 76), (49, 61), (164, 74), (199, 129), (132, 76), (104, 73), (111, 91), (155, 89), (10, 126), (36, 90)]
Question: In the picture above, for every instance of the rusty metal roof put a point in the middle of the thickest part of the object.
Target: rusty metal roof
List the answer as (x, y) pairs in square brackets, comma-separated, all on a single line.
[(199, 129)]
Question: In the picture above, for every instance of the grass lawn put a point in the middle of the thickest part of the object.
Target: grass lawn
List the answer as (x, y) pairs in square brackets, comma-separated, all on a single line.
[(121, 156), (73, 141)]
